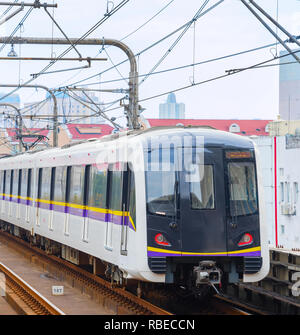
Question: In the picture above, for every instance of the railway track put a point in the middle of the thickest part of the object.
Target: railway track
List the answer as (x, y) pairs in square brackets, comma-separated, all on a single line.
[(125, 302), (27, 299), (96, 287)]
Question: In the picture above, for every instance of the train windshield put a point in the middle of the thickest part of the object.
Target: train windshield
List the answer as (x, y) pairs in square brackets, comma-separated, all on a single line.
[(242, 188), (161, 182), (161, 192), (202, 189)]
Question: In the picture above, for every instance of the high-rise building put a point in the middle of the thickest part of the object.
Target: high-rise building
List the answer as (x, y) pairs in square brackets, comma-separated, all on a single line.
[(289, 87), (171, 109)]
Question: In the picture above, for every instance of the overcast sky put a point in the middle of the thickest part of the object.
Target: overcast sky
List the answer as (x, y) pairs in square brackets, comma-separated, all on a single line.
[(227, 29)]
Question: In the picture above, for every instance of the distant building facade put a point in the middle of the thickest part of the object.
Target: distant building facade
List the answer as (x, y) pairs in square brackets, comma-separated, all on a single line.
[(289, 88), (239, 127), (171, 109), (68, 109), (7, 113)]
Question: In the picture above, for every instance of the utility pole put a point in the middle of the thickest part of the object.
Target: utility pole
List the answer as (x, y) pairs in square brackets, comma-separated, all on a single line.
[(55, 118), (132, 108), (19, 124)]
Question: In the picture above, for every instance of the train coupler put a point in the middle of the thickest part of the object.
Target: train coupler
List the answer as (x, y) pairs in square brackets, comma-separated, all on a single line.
[(207, 273)]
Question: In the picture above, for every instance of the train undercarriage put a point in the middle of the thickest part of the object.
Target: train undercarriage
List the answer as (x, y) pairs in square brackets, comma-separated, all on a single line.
[(186, 276)]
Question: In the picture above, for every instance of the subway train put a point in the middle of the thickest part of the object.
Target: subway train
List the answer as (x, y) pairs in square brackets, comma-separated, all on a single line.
[(179, 206)]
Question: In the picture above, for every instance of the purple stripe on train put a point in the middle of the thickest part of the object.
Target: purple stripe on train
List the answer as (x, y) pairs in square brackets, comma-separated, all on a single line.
[(165, 254), (58, 208), (76, 211), (15, 200), (96, 215), (43, 205), (23, 202), (114, 218)]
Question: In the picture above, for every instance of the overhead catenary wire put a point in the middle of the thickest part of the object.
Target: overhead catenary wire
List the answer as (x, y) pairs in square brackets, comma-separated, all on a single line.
[(92, 29), (185, 66), (125, 37), (194, 19), (7, 10), (262, 65), (16, 28), (256, 66), (150, 46)]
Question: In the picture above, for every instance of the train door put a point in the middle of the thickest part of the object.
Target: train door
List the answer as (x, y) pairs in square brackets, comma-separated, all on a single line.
[(5, 176), (124, 221), (38, 194), (28, 195), (128, 207), (20, 174), (11, 193), (162, 190), (114, 202), (202, 205)]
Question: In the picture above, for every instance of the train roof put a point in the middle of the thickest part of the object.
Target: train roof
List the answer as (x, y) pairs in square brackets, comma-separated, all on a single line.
[(212, 138)]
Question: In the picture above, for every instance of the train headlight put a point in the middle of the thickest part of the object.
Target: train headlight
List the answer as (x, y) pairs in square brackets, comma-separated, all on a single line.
[(161, 240), (245, 240)]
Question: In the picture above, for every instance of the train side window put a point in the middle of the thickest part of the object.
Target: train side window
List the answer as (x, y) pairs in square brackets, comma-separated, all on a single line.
[(132, 201), (76, 193), (60, 184), (23, 182), (98, 185), (45, 184), (115, 197), (15, 182), (202, 189), (8, 182)]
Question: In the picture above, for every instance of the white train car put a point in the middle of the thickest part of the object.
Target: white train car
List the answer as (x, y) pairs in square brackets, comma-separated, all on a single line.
[(128, 205)]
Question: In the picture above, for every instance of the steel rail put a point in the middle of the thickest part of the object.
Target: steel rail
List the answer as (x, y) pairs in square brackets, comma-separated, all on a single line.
[(123, 298), (36, 296)]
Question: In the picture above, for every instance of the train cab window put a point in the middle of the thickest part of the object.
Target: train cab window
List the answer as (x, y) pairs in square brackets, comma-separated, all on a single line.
[(76, 185), (202, 188), (60, 184), (97, 186), (242, 188)]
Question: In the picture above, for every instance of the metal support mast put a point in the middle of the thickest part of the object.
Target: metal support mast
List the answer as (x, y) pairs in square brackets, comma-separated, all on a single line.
[(55, 118), (133, 107), (19, 123)]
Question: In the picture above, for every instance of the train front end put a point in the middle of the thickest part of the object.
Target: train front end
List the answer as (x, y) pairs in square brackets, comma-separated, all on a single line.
[(205, 210)]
